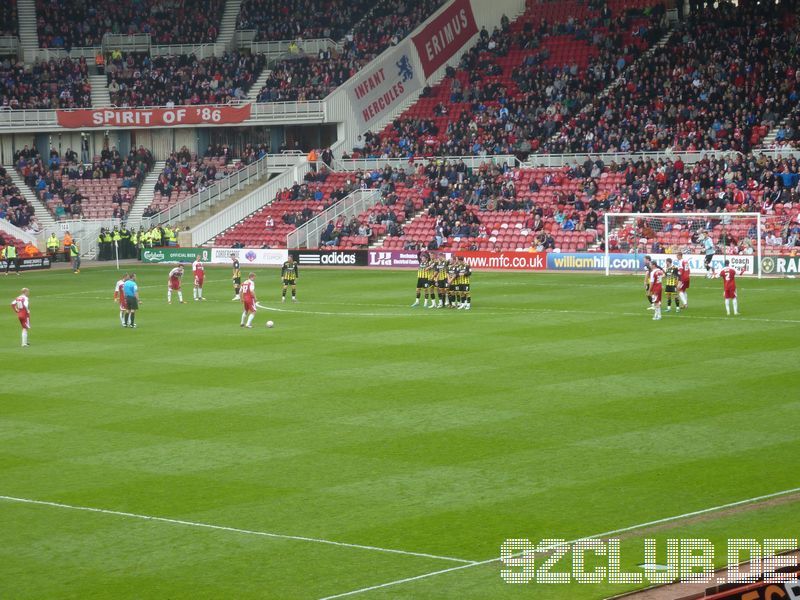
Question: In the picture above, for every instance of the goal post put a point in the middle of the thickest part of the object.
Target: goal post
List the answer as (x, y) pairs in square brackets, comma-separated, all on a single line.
[(736, 236)]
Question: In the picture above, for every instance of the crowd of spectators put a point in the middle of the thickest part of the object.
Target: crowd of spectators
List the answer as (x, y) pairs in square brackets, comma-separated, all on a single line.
[(292, 19), (574, 198), (55, 178), (725, 77), (185, 172), (142, 80), (13, 206), (57, 83), (303, 77), (487, 110), (77, 23), (8, 17)]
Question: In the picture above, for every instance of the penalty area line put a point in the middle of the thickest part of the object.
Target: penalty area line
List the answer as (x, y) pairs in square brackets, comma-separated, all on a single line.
[(604, 534), (268, 534)]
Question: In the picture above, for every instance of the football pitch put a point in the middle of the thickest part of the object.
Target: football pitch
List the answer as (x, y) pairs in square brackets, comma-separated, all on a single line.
[(365, 449)]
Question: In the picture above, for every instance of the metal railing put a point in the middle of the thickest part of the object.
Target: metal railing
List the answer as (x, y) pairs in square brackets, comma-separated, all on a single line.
[(311, 46), (84, 231), (308, 234), (199, 50), (35, 54), (9, 45), (20, 119), (311, 110), (20, 234), (688, 157), (223, 188), (253, 201), (133, 42), (472, 162)]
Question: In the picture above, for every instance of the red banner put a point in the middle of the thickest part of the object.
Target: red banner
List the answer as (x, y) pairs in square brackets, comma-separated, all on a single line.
[(506, 261), (153, 117), (445, 35)]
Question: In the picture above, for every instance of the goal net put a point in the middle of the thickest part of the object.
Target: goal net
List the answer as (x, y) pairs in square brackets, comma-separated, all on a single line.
[(736, 237)]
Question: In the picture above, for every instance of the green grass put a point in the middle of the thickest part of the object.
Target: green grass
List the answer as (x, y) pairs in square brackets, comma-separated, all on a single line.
[(555, 408)]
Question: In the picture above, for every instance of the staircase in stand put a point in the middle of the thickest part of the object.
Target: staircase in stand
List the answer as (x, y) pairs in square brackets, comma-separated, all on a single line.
[(100, 95), (144, 197), (252, 95), (227, 26), (28, 34), (379, 240)]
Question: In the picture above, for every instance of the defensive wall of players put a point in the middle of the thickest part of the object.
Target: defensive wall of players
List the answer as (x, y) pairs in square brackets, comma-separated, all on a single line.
[(503, 261)]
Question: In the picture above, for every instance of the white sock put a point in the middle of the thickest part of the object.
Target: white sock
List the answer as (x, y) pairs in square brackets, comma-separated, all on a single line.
[(727, 306), (180, 296), (250, 319), (682, 296), (24, 336), (169, 295), (199, 292), (735, 306), (122, 317), (194, 293), (244, 316)]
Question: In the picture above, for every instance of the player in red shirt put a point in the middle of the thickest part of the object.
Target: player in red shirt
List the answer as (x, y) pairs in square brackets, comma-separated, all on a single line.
[(199, 272), (249, 300), (119, 297), (684, 274), (648, 267), (656, 275), (21, 307), (728, 276), (175, 284)]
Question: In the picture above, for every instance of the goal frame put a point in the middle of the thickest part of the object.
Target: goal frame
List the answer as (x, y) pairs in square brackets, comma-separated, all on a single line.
[(694, 215)]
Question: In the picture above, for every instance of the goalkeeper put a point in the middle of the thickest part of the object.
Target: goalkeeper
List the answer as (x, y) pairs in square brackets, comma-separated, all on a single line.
[(708, 247)]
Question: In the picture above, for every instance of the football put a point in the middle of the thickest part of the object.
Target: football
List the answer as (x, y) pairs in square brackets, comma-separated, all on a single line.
[(270, 324)]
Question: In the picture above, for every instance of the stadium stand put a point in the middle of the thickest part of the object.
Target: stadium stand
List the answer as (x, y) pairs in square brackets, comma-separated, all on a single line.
[(722, 81), (76, 23), (314, 77), (141, 80), (520, 83), (100, 190), (8, 18), (57, 83)]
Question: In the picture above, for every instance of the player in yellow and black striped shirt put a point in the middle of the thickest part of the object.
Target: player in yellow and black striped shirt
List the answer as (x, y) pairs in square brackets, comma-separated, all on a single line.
[(441, 279), (425, 280), (452, 286), (463, 283), (289, 275), (671, 277), (237, 278)]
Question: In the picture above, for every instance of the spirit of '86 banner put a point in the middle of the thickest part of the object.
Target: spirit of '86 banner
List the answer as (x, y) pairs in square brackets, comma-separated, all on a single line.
[(153, 117)]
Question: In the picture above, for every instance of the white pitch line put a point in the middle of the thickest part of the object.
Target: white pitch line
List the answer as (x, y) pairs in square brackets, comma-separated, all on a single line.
[(590, 537), (503, 311), (282, 536)]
